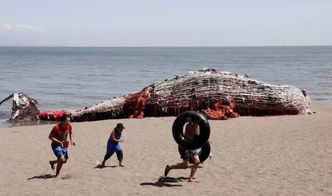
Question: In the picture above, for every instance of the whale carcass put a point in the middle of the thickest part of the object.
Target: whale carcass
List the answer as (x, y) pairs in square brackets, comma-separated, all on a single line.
[(218, 94), (24, 107), (208, 91)]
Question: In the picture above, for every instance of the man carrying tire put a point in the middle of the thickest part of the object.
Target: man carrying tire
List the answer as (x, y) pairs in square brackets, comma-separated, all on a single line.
[(191, 130)]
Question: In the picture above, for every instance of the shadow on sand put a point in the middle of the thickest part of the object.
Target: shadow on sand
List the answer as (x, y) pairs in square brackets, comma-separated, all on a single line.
[(165, 181), (102, 167), (42, 176)]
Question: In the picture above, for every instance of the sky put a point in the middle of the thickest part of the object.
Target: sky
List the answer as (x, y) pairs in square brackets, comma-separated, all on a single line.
[(165, 22)]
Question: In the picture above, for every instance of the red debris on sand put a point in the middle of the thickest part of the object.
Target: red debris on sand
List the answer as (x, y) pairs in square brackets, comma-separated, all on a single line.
[(135, 103), (52, 115), (218, 111)]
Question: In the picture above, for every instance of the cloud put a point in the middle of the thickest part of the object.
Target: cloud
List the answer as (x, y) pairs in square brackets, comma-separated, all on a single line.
[(20, 28)]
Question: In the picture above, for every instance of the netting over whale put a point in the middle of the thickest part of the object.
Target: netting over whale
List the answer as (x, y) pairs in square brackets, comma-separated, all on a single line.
[(208, 91)]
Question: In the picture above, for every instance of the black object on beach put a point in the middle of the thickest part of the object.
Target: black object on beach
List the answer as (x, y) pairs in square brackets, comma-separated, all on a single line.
[(200, 139)]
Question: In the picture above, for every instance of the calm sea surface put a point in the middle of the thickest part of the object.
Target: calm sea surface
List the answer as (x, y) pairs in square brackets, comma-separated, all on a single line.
[(76, 77)]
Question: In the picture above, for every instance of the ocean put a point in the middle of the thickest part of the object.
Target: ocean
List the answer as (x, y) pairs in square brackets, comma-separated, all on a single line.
[(78, 77)]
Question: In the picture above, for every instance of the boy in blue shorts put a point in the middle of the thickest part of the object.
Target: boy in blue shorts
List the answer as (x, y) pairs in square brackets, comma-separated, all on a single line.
[(60, 143)]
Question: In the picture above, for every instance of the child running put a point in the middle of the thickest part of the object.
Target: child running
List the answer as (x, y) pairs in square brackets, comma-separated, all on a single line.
[(114, 146), (60, 143)]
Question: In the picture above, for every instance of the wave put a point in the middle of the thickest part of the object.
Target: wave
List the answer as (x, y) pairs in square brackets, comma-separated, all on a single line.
[(322, 93), (4, 115), (321, 99)]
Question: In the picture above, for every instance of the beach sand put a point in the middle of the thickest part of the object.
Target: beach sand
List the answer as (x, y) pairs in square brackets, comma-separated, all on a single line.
[(281, 155)]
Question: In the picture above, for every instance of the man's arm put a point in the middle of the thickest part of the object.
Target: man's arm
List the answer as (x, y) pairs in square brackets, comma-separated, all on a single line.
[(71, 136), (197, 129)]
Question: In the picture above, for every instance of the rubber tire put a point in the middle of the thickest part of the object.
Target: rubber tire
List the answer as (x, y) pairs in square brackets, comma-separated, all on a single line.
[(200, 139), (203, 154)]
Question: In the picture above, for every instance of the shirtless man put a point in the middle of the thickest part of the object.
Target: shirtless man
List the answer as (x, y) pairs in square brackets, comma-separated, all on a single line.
[(191, 130), (60, 143)]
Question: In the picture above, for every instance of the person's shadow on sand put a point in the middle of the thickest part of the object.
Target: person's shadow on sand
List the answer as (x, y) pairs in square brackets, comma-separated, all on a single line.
[(165, 181), (99, 166), (42, 176)]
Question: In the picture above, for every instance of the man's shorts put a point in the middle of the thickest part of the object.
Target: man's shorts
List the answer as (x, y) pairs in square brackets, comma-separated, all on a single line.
[(60, 151), (187, 154)]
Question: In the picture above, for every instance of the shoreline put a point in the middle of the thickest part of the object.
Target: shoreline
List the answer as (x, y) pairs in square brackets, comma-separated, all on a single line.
[(45, 122)]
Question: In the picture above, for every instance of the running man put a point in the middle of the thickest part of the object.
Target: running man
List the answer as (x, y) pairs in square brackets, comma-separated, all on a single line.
[(191, 130)]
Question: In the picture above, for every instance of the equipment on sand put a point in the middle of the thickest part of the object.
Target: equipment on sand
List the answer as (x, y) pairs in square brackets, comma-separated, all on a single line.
[(199, 140)]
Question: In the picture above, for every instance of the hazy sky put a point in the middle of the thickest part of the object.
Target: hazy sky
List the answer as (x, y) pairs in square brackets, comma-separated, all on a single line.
[(165, 22)]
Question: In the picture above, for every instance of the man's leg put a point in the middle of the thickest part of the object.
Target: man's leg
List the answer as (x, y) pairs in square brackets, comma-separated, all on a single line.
[(59, 152), (61, 161), (52, 163), (183, 165), (194, 168)]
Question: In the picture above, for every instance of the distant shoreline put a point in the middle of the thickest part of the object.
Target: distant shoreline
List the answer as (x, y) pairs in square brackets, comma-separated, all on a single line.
[(249, 46)]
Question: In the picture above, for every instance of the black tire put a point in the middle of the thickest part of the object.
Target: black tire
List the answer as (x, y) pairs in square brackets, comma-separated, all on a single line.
[(203, 154), (200, 139)]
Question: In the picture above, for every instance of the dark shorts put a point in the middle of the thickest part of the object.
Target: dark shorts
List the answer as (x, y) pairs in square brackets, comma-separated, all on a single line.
[(60, 151), (187, 154), (119, 154)]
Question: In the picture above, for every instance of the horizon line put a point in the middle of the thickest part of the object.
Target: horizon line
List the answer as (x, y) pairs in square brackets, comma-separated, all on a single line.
[(197, 46)]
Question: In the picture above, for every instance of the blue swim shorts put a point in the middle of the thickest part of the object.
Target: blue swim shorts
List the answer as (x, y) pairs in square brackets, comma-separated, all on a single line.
[(187, 154), (60, 151)]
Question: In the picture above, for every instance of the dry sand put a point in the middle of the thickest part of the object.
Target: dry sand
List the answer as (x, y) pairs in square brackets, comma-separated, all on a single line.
[(283, 155)]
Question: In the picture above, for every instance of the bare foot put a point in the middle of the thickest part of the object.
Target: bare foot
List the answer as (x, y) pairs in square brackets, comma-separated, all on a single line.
[(167, 168), (121, 165), (192, 180), (100, 166), (52, 165)]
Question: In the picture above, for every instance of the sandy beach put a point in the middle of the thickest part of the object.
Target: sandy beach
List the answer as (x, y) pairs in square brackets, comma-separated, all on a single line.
[(281, 155)]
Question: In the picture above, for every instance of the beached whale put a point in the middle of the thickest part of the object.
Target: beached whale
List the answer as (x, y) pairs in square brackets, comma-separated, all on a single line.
[(218, 94)]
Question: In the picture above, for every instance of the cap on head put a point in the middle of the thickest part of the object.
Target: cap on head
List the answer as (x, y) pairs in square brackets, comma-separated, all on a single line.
[(119, 126)]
